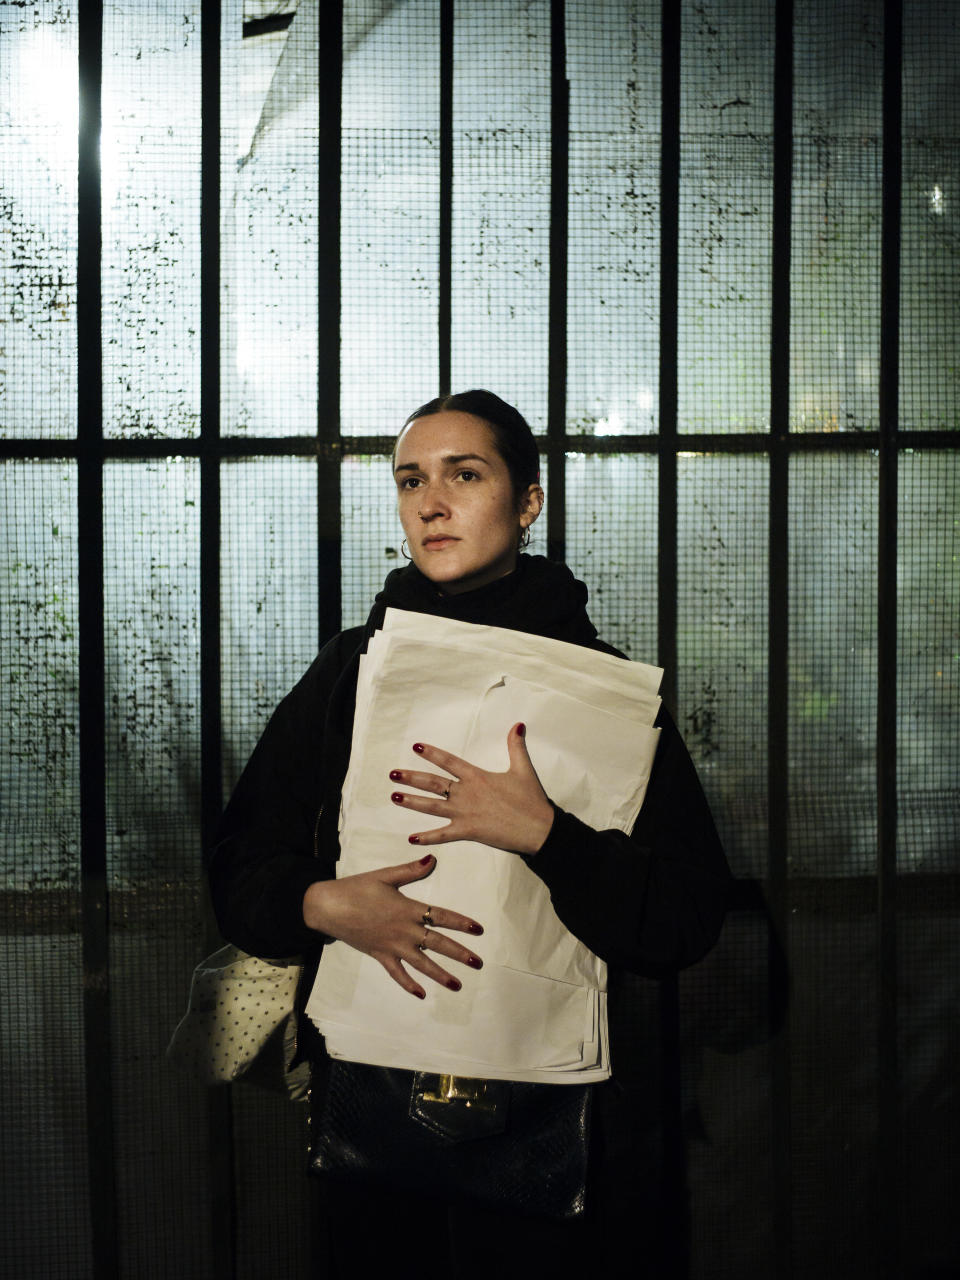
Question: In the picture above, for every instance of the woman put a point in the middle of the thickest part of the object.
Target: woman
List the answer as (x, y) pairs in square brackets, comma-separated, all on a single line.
[(467, 475)]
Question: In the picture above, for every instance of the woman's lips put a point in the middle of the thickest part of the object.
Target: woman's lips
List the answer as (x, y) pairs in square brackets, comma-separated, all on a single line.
[(438, 544)]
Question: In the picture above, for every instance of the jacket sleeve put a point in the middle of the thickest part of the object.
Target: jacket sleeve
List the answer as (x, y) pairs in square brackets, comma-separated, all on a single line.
[(651, 902), (264, 858)]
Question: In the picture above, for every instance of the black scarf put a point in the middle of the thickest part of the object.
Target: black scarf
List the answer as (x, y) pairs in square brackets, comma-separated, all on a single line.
[(540, 597)]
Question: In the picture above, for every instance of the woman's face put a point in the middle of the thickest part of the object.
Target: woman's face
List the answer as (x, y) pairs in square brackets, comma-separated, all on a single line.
[(456, 501)]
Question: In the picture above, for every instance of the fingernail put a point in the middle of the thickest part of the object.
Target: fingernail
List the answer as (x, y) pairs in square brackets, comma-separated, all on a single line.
[(521, 730), (395, 775), (428, 858), (397, 797), (453, 984), (418, 748), (414, 840), (475, 962), (421, 995), (476, 929)]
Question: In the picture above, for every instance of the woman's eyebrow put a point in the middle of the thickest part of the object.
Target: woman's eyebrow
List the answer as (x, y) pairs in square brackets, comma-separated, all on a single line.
[(454, 459), (451, 459)]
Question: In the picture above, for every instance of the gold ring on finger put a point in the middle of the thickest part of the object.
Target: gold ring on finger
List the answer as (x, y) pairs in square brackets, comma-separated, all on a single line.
[(446, 792), (422, 946), (427, 919)]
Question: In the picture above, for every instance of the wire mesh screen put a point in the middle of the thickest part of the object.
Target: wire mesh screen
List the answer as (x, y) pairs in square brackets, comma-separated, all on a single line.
[(832, 704), (390, 179), (270, 199), (501, 201), (38, 159), (928, 689), (152, 699), (726, 152), (268, 593), (613, 206), (41, 1011), (373, 542), (679, 238), (722, 505), (931, 123), (150, 193), (835, 232)]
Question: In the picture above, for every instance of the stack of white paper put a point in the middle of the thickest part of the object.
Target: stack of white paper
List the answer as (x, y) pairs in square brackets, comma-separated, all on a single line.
[(537, 1009)]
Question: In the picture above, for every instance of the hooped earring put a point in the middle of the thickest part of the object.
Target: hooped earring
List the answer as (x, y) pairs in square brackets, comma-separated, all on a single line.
[(403, 550), (524, 539)]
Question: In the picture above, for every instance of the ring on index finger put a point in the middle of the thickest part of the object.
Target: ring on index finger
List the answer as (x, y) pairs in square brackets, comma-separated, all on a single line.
[(427, 918)]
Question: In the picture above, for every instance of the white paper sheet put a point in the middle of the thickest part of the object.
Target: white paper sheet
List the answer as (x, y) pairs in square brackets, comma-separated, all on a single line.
[(537, 1010), (528, 1020)]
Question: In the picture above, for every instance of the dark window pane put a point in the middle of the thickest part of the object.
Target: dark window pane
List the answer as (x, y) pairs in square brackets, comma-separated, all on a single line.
[(833, 665), (722, 643)]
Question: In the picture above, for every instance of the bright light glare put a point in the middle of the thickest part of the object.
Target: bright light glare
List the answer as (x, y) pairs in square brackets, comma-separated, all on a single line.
[(936, 199), (258, 360), (645, 400), (42, 93), (612, 425)]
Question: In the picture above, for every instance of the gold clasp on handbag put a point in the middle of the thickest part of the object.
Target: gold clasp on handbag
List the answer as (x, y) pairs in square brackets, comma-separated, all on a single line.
[(472, 1093), (456, 1108)]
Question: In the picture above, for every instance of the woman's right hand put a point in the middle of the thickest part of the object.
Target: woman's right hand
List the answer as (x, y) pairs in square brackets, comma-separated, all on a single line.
[(369, 912)]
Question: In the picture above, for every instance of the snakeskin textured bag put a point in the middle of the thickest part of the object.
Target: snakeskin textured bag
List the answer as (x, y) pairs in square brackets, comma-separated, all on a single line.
[(495, 1142)]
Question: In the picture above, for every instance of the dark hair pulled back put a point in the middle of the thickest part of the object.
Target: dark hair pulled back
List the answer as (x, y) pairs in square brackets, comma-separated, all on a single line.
[(511, 431)]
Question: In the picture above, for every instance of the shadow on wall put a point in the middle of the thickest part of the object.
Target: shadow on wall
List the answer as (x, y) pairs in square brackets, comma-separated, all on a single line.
[(745, 1018)]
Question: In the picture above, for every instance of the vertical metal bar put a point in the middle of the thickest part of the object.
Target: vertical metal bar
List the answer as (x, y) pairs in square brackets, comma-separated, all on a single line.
[(445, 248), (330, 82), (211, 772), (94, 903), (675, 1227), (889, 1136), (778, 626), (670, 35), (557, 353), (222, 1155), (329, 450)]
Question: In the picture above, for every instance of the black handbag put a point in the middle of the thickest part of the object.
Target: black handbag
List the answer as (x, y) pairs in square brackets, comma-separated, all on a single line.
[(499, 1143)]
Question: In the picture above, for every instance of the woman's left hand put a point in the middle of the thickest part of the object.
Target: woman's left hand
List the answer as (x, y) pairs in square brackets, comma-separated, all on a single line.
[(505, 810)]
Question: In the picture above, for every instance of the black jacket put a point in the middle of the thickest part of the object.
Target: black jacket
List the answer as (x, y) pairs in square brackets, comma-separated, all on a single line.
[(649, 903)]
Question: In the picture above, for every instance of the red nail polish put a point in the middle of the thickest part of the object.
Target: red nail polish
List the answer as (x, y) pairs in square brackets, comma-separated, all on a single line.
[(476, 929), (397, 797), (521, 730), (475, 962), (421, 995), (395, 775), (453, 984), (414, 840), (428, 858), (418, 748)]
